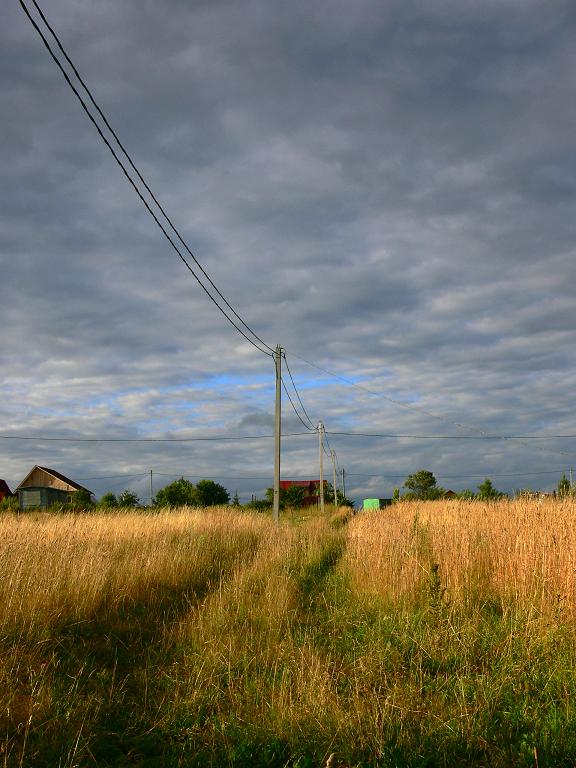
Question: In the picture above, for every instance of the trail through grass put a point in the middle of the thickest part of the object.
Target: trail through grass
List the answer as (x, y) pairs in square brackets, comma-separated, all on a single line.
[(435, 634)]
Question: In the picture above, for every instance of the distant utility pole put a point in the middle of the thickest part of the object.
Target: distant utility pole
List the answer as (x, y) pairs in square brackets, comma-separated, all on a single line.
[(277, 429), (570, 476), (343, 484), (333, 454), (321, 443), (151, 490)]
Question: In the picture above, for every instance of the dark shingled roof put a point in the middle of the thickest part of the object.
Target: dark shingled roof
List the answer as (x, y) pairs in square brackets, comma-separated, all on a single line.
[(4, 488)]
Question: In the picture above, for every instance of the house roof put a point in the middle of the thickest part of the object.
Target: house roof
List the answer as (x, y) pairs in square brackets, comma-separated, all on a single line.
[(4, 488), (57, 475), (299, 483)]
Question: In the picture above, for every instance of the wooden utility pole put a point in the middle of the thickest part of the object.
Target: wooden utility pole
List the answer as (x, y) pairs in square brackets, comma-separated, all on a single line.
[(151, 490), (277, 430), (321, 444), (343, 484), (333, 454)]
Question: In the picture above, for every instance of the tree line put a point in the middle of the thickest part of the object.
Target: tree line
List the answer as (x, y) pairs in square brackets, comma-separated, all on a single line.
[(423, 485)]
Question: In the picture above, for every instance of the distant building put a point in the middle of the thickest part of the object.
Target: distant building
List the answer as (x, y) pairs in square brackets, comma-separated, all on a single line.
[(43, 487), (376, 503), (311, 490), (5, 492)]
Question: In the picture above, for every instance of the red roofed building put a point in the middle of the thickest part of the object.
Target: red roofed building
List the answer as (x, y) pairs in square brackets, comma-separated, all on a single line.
[(311, 489), (5, 492)]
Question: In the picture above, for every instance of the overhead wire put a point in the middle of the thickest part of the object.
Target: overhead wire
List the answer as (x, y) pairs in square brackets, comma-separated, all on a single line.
[(146, 439), (113, 477), (462, 477), (294, 407), (452, 437), (383, 435), (134, 185), (418, 409), (329, 452), (384, 396), (296, 390), (264, 348)]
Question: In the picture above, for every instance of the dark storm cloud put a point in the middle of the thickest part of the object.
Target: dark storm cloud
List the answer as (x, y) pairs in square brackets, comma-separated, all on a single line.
[(385, 189)]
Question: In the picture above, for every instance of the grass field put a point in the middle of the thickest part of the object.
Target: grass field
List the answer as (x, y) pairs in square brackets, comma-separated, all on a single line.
[(426, 634)]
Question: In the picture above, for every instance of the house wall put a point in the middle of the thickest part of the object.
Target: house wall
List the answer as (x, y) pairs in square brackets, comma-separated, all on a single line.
[(41, 498)]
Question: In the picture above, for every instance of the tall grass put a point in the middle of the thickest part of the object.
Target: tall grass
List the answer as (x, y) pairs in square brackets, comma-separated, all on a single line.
[(513, 555), (426, 634), (86, 604)]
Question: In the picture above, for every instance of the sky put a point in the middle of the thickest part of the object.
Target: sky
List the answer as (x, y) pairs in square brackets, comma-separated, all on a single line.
[(385, 189)]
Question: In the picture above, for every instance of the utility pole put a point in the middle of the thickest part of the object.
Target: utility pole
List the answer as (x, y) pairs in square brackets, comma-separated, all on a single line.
[(151, 490), (320, 441), (570, 477), (333, 454), (277, 429), (343, 484)]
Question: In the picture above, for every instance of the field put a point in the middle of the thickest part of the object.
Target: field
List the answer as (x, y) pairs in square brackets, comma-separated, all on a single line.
[(426, 634)]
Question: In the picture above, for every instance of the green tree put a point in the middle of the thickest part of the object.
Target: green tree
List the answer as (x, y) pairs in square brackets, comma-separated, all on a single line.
[(341, 500), (180, 493), (236, 500), (422, 485), (82, 499), (9, 504), (259, 505), (487, 492), (269, 497), (108, 500), (564, 488), (128, 499), (294, 496), (209, 493), (466, 494)]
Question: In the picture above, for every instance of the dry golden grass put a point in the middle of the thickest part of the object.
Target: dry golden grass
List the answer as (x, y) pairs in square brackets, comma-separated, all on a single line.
[(85, 597), (520, 553), (437, 633), (65, 568)]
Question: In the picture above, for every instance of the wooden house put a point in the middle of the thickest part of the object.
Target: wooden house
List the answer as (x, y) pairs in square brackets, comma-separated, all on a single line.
[(43, 487)]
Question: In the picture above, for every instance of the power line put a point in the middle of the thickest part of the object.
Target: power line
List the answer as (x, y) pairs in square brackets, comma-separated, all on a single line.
[(145, 439), (297, 393), (294, 407), (383, 435), (133, 184), (113, 477), (213, 477), (454, 437), (418, 409), (463, 477), (328, 451), (179, 237), (505, 438), (399, 403)]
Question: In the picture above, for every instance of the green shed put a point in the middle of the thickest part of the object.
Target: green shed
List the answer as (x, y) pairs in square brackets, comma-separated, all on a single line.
[(376, 503)]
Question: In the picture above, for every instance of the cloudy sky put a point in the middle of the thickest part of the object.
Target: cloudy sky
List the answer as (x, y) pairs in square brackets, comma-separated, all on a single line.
[(386, 189)]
